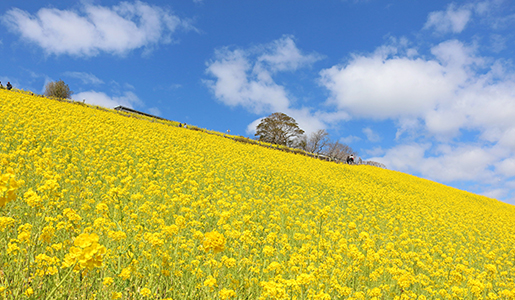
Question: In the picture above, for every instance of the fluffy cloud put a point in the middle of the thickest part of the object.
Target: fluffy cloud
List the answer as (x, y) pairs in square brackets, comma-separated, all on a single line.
[(455, 19), (239, 82), (371, 135), (283, 55), (95, 29), (245, 78), (383, 85), (455, 89), (452, 20), (466, 162)]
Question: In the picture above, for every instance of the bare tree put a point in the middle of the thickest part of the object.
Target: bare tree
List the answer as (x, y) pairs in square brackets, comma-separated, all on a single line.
[(315, 142), (375, 164), (279, 128), (338, 150)]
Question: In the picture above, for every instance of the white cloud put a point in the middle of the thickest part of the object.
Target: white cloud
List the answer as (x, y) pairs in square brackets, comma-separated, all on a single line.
[(456, 89), (308, 120), (86, 78), (445, 123), (245, 78), (128, 99), (238, 83), (251, 128), (496, 193), (407, 125), (452, 20), (467, 162), (381, 87), (498, 43), (403, 157), (371, 135), (506, 167), (506, 138), (154, 111), (455, 19), (283, 55), (449, 164), (493, 13), (95, 29)]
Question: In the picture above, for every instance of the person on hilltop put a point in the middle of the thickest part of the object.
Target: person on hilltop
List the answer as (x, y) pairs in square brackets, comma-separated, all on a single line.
[(9, 86), (350, 159), (1, 86)]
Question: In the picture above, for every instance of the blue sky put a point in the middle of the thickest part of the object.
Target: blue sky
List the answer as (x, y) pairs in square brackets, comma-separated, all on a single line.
[(425, 87)]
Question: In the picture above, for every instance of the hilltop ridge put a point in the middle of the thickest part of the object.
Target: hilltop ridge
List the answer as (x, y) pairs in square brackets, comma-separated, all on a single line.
[(142, 209)]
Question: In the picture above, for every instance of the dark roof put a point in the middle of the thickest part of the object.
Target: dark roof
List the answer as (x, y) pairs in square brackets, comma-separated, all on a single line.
[(126, 109)]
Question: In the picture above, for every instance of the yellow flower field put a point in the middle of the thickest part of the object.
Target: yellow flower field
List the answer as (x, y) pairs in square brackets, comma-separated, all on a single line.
[(96, 205)]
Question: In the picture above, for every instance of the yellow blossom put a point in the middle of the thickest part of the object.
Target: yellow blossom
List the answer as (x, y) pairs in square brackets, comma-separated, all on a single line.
[(88, 253), (210, 282), (214, 241), (108, 281), (145, 292), (142, 205), (225, 294)]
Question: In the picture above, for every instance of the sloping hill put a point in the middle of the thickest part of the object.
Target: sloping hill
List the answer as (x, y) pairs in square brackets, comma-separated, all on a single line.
[(98, 205)]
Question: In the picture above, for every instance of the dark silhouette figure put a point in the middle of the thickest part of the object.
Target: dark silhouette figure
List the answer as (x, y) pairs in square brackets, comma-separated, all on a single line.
[(9, 86)]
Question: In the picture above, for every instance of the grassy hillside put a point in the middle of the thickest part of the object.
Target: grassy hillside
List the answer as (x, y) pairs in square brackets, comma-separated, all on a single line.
[(96, 205)]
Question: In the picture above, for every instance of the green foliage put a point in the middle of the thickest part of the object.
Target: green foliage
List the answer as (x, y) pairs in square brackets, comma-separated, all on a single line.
[(58, 89)]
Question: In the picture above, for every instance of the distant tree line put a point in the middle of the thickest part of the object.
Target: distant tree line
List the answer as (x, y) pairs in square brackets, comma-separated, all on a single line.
[(281, 129)]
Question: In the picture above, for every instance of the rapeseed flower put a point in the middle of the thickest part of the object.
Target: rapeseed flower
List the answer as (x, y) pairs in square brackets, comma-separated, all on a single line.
[(5, 223), (225, 294), (125, 273), (29, 292), (214, 241), (140, 204), (145, 292), (87, 253), (210, 282), (8, 187), (107, 281)]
